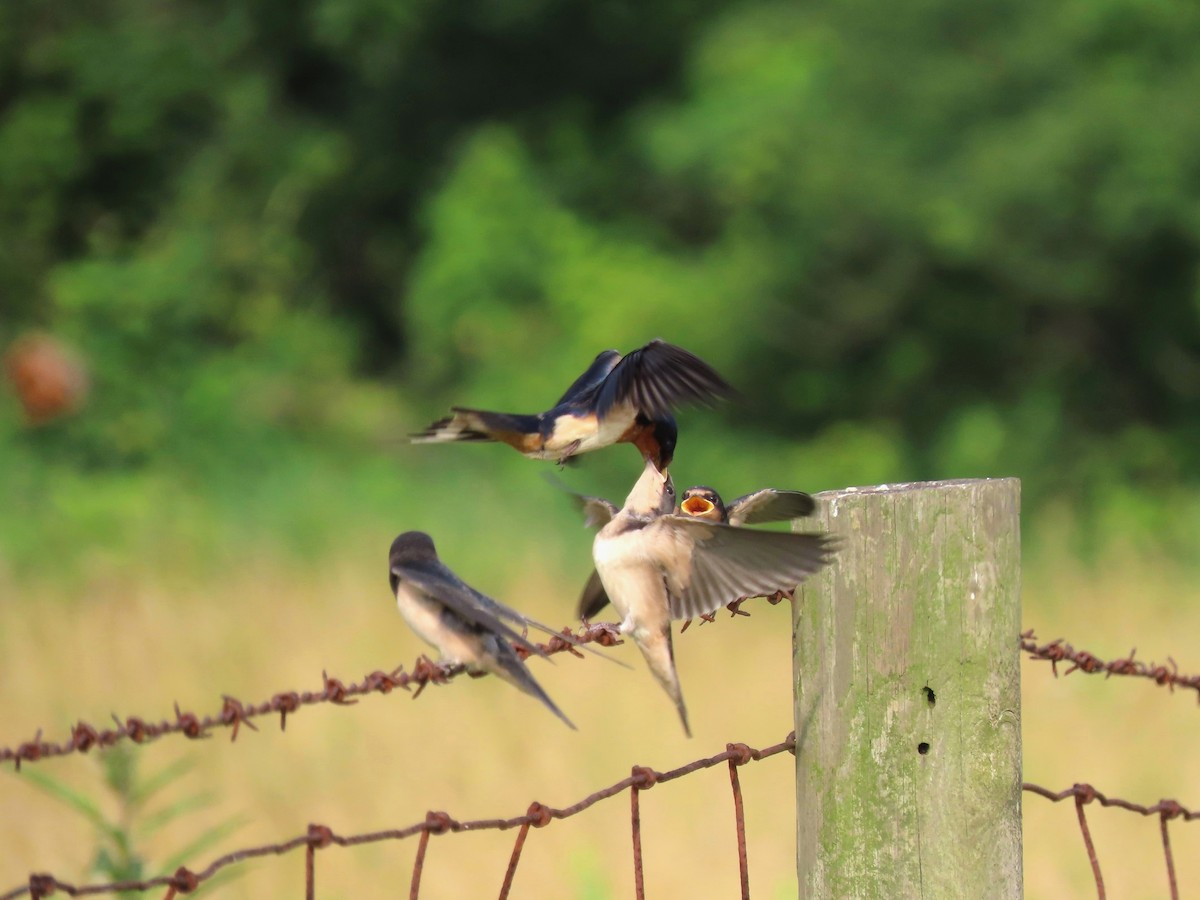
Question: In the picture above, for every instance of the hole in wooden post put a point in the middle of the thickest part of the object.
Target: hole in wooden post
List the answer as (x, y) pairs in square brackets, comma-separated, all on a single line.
[(923, 747), (930, 695)]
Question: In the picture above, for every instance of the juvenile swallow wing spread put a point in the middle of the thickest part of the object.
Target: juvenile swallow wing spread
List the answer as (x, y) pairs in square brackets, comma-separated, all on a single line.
[(708, 565), (770, 505), (658, 377), (463, 601), (597, 512), (593, 599)]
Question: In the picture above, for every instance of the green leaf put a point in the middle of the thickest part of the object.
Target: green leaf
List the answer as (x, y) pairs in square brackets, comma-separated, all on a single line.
[(171, 773), (72, 798), (154, 821)]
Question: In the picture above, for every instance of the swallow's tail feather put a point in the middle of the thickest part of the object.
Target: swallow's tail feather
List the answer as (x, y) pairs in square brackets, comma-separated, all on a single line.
[(660, 656), (511, 669), (481, 425)]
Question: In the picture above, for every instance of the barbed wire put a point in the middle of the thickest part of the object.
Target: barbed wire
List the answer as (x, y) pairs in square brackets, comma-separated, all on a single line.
[(1084, 794), (234, 713), (319, 837), (1082, 661)]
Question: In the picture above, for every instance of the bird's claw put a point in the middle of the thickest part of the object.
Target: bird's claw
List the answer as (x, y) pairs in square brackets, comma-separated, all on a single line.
[(426, 671), (735, 608), (606, 634), (781, 595)]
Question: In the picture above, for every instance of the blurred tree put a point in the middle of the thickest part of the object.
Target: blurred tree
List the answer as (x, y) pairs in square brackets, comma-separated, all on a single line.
[(965, 236)]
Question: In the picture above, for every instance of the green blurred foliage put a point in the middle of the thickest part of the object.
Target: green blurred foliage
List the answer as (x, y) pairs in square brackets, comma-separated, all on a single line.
[(140, 814), (935, 240)]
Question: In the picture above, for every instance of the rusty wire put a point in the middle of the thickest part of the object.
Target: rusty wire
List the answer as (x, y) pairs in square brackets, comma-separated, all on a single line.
[(318, 837), (1082, 661), (1084, 794), (233, 713)]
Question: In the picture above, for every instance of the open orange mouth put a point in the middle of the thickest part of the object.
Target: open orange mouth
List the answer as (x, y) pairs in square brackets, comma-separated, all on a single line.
[(696, 506)]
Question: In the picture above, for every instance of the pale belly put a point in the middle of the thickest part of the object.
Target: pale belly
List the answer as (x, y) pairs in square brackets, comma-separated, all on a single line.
[(633, 582), (424, 616), (575, 435)]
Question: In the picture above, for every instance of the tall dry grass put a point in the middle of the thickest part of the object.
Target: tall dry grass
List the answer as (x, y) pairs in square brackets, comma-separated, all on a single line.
[(479, 749)]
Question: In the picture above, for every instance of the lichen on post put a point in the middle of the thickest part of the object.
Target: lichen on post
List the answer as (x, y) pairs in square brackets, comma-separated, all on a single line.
[(907, 690)]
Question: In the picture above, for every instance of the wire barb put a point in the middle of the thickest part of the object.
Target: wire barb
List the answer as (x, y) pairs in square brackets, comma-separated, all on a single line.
[(233, 713), (1059, 651), (318, 836)]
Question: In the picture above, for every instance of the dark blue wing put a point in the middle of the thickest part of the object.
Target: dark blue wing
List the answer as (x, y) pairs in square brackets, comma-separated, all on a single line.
[(592, 378), (658, 377)]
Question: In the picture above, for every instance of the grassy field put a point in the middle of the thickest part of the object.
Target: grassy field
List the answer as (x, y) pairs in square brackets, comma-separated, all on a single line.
[(479, 749)]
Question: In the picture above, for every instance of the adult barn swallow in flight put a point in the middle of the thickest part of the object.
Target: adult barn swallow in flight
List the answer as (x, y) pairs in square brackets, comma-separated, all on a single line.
[(463, 624), (618, 399), (700, 502), (657, 566)]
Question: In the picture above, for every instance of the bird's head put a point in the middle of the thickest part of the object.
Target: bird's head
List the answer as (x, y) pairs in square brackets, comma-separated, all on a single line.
[(702, 502), (653, 493), (412, 546)]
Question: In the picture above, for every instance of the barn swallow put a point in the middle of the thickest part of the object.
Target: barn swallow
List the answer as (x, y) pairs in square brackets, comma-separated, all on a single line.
[(463, 624), (700, 502), (657, 566), (618, 399)]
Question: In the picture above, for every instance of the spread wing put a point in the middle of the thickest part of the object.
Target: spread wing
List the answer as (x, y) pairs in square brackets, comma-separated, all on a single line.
[(710, 564), (770, 505), (463, 600), (590, 380), (656, 378), (593, 599), (597, 512)]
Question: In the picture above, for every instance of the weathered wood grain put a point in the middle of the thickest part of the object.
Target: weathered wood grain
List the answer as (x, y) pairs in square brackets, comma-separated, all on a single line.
[(908, 728)]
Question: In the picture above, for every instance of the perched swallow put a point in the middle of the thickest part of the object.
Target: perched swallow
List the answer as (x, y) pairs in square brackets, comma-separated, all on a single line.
[(463, 624), (699, 502), (618, 399), (657, 566)]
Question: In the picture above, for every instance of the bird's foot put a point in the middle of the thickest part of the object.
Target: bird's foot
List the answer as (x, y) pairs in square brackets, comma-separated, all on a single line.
[(606, 634), (568, 454), (427, 671), (781, 595), (735, 608)]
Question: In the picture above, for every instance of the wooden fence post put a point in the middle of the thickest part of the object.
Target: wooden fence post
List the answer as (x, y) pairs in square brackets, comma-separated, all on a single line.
[(908, 704)]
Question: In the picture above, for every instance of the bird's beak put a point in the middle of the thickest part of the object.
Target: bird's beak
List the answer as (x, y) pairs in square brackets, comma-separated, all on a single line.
[(696, 506)]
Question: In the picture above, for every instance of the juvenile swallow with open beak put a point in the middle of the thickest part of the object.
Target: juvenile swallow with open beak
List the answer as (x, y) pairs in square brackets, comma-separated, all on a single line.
[(699, 502), (657, 566), (464, 625), (767, 505), (619, 399)]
